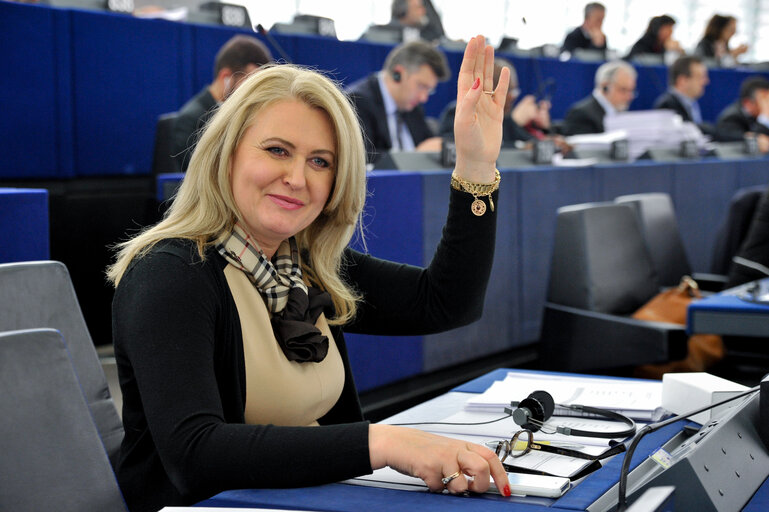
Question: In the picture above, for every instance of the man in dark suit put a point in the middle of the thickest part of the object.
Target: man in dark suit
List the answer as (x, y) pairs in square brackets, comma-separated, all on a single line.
[(688, 77), (614, 91), (235, 60), (389, 102), (589, 35), (749, 115)]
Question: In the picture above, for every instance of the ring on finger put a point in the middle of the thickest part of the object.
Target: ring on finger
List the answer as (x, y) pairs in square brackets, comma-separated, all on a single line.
[(488, 92), (445, 480)]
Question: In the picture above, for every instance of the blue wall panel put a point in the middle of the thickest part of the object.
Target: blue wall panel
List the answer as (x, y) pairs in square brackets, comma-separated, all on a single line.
[(540, 194), (393, 230), (701, 195), (30, 124), (24, 231), (125, 73)]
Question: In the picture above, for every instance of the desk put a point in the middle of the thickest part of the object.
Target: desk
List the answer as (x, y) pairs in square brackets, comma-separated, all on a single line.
[(727, 314), (352, 498)]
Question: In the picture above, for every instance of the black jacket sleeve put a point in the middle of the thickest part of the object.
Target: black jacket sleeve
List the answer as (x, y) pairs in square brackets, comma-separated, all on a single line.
[(404, 299)]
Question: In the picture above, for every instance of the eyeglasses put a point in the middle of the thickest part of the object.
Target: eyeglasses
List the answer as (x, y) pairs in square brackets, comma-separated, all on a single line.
[(523, 442)]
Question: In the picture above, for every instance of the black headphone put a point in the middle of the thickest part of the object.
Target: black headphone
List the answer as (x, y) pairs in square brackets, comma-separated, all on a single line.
[(396, 75), (532, 413)]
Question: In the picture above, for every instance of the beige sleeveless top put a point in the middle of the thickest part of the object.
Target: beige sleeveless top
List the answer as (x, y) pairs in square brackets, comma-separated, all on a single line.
[(279, 391)]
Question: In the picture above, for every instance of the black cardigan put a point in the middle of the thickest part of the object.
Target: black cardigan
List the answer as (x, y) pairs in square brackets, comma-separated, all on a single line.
[(179, 351)]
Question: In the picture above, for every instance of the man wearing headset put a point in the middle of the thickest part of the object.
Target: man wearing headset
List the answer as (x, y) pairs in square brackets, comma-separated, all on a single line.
[(389, 103), (235, 60), (615, 83)]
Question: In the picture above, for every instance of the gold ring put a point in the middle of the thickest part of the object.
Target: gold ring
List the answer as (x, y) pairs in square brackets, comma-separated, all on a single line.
[(488, 92), (447, 479)]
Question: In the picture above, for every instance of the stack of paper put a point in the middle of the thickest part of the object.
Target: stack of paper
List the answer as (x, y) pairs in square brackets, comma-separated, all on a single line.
[(634, 398), (646, 129)]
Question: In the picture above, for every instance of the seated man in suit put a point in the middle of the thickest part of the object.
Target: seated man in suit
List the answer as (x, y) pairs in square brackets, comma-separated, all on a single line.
[(528, 120), (614, 90), (749, 115), (235, 60), (389, 102), (589, 35), (688, 77)]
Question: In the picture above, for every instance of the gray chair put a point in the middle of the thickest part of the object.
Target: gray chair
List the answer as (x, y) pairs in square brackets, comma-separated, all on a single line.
[(39, 294), (52, 456), (657, 219), (600, 273)]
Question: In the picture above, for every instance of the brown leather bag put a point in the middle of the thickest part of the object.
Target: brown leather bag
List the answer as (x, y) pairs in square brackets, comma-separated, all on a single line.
[(703, 350)]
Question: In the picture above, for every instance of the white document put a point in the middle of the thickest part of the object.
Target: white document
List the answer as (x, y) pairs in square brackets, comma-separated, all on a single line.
[(520, 484), (635, 398)]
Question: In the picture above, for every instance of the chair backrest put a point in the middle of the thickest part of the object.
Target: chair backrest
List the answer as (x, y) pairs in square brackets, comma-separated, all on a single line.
[(39, 294), (734, 228), (657, 219), (600, 261), (162, 160), (52, 457)]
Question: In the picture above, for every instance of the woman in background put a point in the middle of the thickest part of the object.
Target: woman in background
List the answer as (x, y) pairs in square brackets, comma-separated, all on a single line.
[(715, 43)]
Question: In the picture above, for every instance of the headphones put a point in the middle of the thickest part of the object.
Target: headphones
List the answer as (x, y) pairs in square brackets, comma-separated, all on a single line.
[(532, 413), (396, 75)]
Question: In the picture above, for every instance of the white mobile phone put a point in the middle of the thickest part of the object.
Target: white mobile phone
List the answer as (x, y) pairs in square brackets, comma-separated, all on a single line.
[(536, 485)]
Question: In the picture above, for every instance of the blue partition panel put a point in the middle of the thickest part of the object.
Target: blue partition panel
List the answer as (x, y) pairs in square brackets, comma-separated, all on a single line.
[(701, 195), (497, 330), (633, 178), (36, 125), (540, 193), (754, 171), (126, 71), (393, 230), (24, 232)]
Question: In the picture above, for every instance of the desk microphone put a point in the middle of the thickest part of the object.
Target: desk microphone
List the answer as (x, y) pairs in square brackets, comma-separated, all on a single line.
[(274, 43), (651, 427)]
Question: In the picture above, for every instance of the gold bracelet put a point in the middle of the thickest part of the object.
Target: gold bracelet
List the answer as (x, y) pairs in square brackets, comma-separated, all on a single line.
[(478, 207)]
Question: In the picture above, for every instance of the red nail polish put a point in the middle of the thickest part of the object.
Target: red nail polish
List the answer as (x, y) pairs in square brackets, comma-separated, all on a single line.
[(506, 491), (477, 83)]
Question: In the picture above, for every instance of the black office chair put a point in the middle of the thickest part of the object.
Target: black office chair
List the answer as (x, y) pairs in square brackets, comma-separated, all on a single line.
[(52, 456), (600, 273), (162, 160), (734, 228), (39, 294), (657, 219)]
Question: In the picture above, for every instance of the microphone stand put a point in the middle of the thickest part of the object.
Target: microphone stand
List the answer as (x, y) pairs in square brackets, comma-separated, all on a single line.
[(622, 491), (274, 43)]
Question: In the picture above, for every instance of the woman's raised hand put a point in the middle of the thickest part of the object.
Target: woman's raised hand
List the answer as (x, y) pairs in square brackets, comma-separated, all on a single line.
[(478, 120)]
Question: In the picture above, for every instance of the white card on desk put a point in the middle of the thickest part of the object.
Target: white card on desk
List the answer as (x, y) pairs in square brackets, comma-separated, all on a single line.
[(521, 484)]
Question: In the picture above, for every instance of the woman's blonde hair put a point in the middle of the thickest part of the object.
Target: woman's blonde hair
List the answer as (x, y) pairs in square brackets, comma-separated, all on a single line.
[(204, 206)]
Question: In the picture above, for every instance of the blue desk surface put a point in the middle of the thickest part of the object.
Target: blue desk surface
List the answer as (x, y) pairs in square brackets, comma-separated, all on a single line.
[(353, 498), (728, 314)]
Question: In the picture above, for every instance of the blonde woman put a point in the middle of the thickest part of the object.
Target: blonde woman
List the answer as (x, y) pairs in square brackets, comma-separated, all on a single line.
[(228, 314)]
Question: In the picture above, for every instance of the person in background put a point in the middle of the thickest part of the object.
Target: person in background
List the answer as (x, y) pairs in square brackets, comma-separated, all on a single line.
[(235, 60), (657, 39), (615, 83), (589, 35), (228, 314), (389, 102), (419, 15), (749, 115), (715, 43), (527, 120), (688, 77)]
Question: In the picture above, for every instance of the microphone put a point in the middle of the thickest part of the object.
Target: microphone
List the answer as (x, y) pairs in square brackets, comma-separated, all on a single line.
[(651, 427), (274, 43)]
